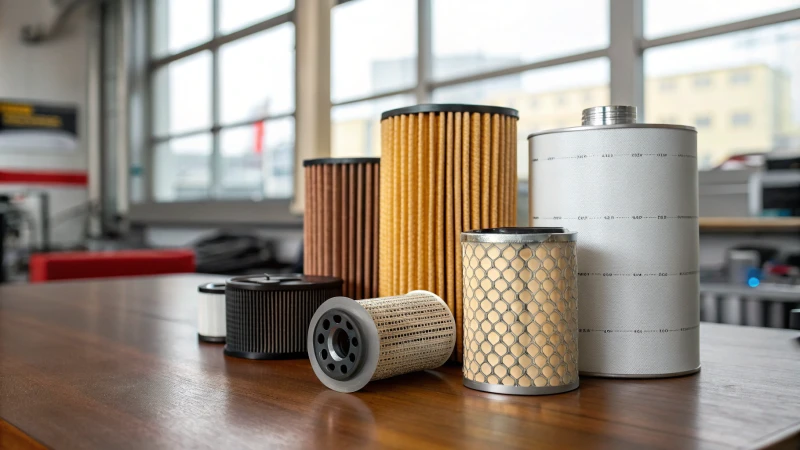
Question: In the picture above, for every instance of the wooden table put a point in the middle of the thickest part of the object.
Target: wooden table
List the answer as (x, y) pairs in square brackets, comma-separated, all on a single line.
[(117, 364)]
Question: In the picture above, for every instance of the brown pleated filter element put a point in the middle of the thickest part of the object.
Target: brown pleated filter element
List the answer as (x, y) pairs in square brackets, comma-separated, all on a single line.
[(341, 222), (445, 169)]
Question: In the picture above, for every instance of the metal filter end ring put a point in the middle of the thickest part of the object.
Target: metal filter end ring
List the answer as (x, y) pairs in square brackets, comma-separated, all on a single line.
[(359, 371), (338, 344)]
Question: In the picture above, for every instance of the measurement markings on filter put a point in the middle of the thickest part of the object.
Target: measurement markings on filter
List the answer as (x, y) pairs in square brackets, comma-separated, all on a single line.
[(613, 217), (638, 330), (608, 156), (638, 274)]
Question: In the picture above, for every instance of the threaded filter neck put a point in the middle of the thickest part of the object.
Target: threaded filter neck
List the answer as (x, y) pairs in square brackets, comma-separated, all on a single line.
[(609, 115)]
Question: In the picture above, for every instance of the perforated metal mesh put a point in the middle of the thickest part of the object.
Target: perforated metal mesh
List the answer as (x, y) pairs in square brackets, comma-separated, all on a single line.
[(416, 331), (520, 314)]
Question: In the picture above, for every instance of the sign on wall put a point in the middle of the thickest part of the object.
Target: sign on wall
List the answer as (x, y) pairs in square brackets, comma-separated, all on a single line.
[(26, 126)]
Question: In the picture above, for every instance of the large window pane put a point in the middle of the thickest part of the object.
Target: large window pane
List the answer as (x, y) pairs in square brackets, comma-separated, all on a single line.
[(237, 14), (257, 75), (256, 161), (182, 168), (373, 47), (471, 36), (665, 17), (356, 128), (182, 95), (545, 98), (741, 90), (180, 24)]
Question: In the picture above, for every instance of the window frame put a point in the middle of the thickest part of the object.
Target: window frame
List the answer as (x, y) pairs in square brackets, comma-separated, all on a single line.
[(626, 85), (271, 211)]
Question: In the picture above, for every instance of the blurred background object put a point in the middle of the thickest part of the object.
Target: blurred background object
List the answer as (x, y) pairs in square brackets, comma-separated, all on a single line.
[(159, 124)]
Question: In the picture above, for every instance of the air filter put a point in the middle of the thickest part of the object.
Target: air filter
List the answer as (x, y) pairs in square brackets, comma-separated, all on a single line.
[(520, 310), (630, 190), (445, 169), (268, 315), (211, 312), (341, 222), (351, 343)]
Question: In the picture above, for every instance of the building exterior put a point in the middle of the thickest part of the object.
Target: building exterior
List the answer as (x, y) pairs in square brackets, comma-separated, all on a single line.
[(744, 109)]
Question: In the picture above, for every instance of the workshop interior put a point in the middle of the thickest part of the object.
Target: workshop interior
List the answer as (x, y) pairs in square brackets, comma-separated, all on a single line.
[(535, 192)]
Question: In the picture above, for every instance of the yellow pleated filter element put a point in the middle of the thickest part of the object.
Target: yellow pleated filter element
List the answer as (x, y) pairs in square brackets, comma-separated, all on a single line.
[(444, 169), (521, 310)]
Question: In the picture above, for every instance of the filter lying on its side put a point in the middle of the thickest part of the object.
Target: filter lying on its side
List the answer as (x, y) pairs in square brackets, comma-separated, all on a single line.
[(520, 310), (268, 315), (341, 222), (444, 169), (211, 312), (351, 343)]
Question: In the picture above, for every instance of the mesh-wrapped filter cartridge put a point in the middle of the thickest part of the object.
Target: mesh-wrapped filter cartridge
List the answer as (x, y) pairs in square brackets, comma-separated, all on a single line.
[(351, 343), (341, 222), (211, 312), (267, 316), (520, 310), (444, 169)]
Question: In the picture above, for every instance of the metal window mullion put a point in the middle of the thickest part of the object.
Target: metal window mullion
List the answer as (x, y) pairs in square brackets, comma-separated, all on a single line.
[(366, 98), (216, 161), (733, 27), (220, 40), (424, 51), (626, 83), (513, 70)]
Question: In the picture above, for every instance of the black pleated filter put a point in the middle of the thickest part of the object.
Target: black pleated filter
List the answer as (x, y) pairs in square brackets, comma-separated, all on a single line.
[(267, 316)]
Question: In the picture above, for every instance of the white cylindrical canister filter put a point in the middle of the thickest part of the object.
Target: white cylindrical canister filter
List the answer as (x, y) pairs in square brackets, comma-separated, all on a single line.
[(630, 191), (520, 310), (211, 312), (351, 343)]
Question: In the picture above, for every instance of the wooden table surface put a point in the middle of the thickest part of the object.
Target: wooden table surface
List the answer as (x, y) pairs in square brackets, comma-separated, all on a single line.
[(116, 364)]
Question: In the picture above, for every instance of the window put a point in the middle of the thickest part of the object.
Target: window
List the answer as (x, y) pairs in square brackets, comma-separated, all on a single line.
[(562, 80), (237, 14), (667, 85), (223, 110), (761, 62), (740, 77), (666, 17), (702, 81), (702, 121), (741, 119), (179, 25), (182, 168), (500, 33), (373, 48), (356, 127)]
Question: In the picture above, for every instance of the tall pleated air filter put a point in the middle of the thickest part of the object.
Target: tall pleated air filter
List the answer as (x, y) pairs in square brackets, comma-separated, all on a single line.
[(521, 310), (351, 343), (445, 169), (630, 191), (341, 222), (267, 316)]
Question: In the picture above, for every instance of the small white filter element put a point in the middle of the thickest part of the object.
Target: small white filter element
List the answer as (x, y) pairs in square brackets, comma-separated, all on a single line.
[(351, 343), (211, 312)]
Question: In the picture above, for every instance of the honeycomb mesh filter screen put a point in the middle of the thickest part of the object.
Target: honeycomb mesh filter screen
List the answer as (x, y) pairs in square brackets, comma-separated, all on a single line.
[(520, 314), (416, 332), (341, 223), (442, 173)]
